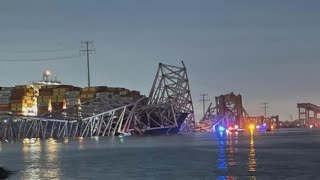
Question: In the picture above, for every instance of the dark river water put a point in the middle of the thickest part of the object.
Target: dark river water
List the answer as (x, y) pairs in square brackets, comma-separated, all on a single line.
[(283, 154)]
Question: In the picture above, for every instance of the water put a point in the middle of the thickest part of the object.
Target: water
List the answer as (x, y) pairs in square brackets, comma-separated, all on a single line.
[(285, 154)]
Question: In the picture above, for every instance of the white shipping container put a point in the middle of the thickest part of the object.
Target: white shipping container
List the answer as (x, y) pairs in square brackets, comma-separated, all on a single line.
[(123, 93), (6, 88), (5, 92), (4, 101), (101, 94), (4, 98), (71, 103), (72, 96), (72, 99), (73, 93), (5, 95), (104, 95)]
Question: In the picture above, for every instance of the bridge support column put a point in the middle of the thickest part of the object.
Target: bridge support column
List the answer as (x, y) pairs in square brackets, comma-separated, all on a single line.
[(277, 122), (316, 119), (307, 108), (307, 118), (299, 114)]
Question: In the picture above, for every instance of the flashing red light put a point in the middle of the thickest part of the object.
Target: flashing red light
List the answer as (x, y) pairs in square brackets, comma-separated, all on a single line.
[(232, 129)]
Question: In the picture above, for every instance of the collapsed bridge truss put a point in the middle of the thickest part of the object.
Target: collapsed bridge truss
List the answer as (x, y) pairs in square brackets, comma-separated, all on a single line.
[(168, 109), (229, 111)]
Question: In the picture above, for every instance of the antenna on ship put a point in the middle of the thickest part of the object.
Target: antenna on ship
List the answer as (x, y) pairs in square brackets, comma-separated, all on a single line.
[(48, 79), (46, 75)]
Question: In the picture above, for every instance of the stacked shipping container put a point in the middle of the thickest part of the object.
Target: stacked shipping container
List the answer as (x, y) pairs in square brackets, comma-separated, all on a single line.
[(72, 98), (88, 93), (134, 94), (58, 98), (5, 94), (44, 99), (25, 99), (102, 91), (53, 98)]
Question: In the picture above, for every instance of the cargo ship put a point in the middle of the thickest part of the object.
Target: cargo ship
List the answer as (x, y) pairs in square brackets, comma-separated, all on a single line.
[(49, 95)]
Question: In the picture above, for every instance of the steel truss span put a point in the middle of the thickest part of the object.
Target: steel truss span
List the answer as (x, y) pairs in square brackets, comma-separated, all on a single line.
[(103, 124), (169, 106), (168, 109)]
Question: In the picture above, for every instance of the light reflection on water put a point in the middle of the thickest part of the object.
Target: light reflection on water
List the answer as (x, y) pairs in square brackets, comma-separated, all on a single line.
[(252, 160), (227, 149), (31, 154), (121, 138), (252, 156), (39, 155), (51, 147), (80, 140), (215, 156), (225, 162), (231, 150), (221, 162)]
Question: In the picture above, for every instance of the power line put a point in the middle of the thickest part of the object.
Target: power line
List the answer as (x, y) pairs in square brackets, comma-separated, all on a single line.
[(42, 59), (36, 51), (204, 103), (89, 49)]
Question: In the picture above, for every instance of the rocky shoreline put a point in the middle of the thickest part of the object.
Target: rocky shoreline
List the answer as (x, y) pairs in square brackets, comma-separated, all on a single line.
[(4, 173)]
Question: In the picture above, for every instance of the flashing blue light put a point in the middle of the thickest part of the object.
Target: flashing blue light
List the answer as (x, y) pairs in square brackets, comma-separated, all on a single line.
[(221, 129), (263, 127)]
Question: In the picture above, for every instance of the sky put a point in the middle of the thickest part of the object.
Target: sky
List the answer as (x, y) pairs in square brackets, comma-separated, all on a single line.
[(267, 51)]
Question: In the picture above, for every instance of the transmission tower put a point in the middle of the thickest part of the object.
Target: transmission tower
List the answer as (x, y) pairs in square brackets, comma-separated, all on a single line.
[(204, 102), (89, 49), (265, 107)]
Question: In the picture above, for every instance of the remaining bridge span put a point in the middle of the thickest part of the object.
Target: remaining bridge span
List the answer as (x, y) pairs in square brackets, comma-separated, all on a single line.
[(229, 111), (309, 114)]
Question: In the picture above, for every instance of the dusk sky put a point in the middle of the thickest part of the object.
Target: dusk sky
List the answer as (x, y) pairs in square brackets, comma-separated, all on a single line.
[(267, 51)]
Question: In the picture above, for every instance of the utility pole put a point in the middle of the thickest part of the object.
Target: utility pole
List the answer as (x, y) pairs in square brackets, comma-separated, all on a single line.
[(89, 49), (265, 107), (204, 102)]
